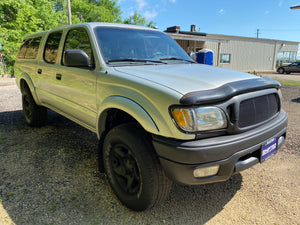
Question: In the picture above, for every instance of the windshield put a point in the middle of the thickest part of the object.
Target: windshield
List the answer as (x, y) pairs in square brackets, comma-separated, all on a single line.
[(125, 45)]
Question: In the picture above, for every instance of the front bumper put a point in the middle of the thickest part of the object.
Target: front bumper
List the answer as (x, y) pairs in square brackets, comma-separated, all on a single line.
[(233, 153)]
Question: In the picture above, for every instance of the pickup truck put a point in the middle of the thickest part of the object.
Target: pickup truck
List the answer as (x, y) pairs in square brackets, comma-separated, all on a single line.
[(159, 116)]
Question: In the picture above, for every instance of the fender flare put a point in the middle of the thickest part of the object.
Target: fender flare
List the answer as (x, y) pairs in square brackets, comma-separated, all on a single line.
[(26, 78), (128, 106)]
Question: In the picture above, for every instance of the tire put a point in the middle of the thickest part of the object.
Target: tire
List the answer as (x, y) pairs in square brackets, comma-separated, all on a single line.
[(35, 115), (280, 70), (133, 169)]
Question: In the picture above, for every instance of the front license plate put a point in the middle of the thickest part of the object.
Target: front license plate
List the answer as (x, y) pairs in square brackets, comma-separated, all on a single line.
[(268, 149)]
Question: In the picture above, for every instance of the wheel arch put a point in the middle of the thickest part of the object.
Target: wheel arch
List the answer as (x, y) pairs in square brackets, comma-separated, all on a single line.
[(117, 110), (26, 82)]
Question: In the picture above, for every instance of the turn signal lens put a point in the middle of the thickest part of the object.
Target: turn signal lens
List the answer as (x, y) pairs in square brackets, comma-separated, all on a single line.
[(179, 117)]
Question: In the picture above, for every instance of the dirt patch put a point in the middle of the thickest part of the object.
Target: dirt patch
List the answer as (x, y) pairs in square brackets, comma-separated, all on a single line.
[(49, 175)]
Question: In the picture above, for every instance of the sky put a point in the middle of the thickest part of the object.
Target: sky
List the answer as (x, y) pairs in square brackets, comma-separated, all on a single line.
[(273, 18)]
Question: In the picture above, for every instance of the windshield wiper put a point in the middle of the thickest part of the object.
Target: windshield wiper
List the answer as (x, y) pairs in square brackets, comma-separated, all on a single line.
[(135, 60), (175, 58)]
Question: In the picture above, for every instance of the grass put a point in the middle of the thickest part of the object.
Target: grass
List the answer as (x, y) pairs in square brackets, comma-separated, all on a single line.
[(293, 83)]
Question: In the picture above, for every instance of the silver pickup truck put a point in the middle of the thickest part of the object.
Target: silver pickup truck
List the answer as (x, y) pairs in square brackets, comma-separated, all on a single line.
[(159, 116)]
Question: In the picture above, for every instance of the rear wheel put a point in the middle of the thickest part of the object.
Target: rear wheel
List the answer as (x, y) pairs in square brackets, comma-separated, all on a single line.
[(133, 169), (35, 115)]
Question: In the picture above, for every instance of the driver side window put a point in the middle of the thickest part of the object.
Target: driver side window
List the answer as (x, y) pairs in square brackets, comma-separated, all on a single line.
[(78, 39)]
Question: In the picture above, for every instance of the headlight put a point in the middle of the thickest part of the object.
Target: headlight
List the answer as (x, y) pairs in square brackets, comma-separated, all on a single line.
[(199, 119)]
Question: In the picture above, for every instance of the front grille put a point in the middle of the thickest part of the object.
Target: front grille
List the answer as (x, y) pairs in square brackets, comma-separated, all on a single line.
[(255, 110)]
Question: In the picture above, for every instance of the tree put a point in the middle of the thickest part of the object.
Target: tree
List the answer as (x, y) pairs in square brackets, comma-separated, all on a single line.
[(91, 11), (20, 18), (137, 19), (23, 17)]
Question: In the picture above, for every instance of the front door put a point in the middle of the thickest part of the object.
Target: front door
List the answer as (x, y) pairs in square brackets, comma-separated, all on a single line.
[(77, 86)]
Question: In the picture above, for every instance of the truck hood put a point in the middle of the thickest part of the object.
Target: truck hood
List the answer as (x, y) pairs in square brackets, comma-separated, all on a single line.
[(186, 78)]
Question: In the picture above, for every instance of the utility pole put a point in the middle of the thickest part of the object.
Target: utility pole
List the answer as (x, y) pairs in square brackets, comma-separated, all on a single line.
[(69, 12), (257, 33)]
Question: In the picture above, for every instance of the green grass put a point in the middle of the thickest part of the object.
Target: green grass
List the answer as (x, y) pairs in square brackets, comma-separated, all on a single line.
[(293, 83)]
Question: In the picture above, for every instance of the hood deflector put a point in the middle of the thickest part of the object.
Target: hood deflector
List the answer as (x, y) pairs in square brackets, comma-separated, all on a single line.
[(227, 91)]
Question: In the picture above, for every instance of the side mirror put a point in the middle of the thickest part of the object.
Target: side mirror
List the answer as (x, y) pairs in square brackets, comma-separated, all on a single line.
[(76, 58)]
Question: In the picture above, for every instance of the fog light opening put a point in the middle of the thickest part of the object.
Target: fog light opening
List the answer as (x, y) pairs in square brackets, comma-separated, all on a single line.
[(206, 171)]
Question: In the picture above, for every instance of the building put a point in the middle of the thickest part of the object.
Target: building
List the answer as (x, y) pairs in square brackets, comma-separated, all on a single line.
[(238, 53)]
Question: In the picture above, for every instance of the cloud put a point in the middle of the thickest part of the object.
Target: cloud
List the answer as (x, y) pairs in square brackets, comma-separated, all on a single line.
[(280, 3), (172, 1), (149, 15), (267, 12), (141, 4), (221, 11)]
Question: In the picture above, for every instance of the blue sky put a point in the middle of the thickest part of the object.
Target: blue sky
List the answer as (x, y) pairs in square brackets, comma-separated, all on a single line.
[(273, 18)]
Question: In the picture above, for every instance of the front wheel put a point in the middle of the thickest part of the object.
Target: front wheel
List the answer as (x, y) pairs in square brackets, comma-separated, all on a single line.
[(133, 169)]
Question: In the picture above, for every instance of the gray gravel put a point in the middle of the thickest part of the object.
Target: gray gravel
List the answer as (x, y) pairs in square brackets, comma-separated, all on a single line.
[(49, 175)]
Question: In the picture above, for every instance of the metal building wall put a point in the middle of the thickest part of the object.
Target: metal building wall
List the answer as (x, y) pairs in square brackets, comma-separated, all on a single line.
[(246, 54), (250, 54)]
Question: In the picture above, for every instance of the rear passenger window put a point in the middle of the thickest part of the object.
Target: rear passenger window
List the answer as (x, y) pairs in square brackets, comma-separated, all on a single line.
[(29, 49), (78, 39), (51, 48), (33, 48), (23, 48)]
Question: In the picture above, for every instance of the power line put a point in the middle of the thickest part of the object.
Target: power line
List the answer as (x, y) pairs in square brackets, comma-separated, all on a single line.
[(281, 30)]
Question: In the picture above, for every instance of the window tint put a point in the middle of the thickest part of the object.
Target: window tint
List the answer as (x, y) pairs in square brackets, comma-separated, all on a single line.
[(78, 39), (33, 48), (124, 43), (50, 52), (29, 49), (23, 48)]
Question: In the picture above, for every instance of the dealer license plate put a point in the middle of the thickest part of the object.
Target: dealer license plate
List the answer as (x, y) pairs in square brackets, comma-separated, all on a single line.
[(268, 149)]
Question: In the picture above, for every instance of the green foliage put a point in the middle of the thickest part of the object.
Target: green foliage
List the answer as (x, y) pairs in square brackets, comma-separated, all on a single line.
[(20, 18), (91, 11), (23, 17), (138, 19), (291, 83)]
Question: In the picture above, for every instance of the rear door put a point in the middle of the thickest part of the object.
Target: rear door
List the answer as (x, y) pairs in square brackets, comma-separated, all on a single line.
[(47, 69)]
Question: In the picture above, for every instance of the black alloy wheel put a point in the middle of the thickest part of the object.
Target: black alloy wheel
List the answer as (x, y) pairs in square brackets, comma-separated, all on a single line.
[(125, 169), (133, 169)]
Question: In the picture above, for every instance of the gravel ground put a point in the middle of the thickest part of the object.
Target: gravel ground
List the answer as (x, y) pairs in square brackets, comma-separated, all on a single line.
[(49, 175)]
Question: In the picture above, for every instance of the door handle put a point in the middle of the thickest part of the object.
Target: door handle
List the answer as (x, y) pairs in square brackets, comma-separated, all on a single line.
[(58, 76), (39, 71)]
